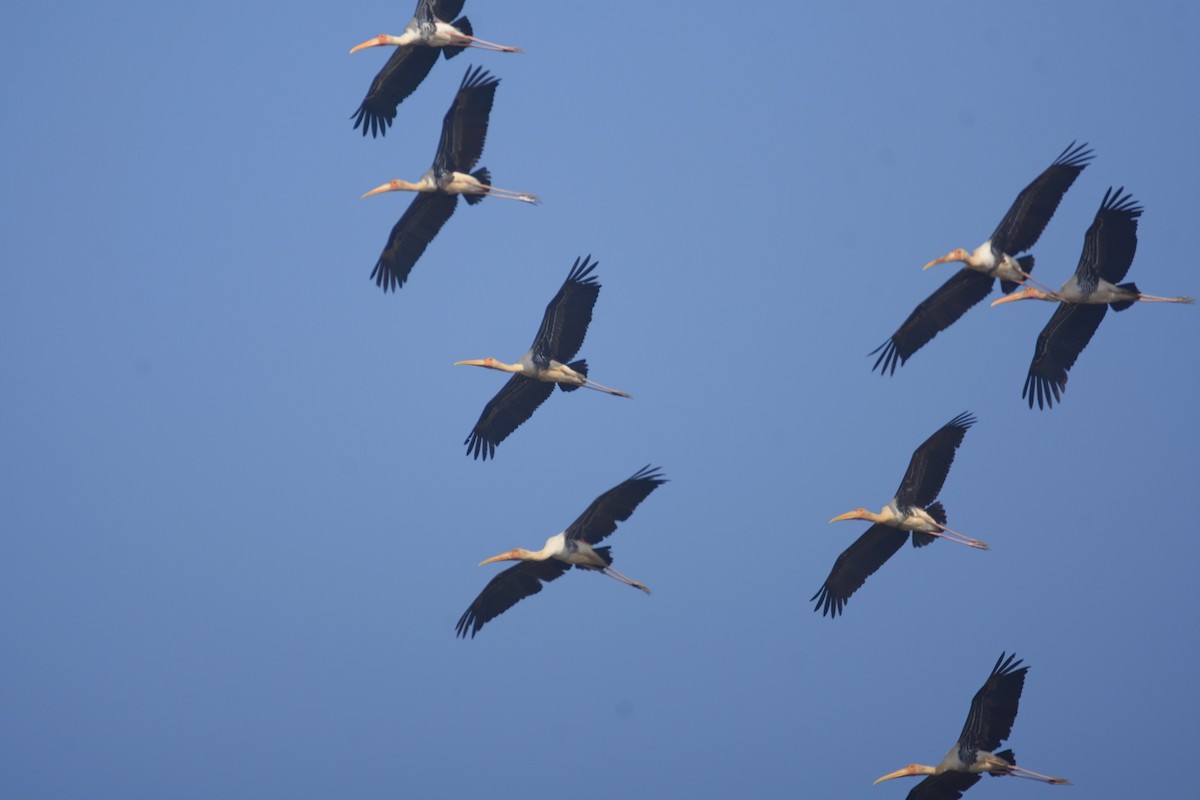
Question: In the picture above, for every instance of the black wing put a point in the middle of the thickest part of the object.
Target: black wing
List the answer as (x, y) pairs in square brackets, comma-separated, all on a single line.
[(601, 517), (445, 10), (1038, 201), (857, 563), (947, 786), (513, 404), (410, 236), (464, 128), (931, 463), (932, 316), (568, 315), (1058, 345), (1110, 242), (993, 709), (399, 78), (506, 590)]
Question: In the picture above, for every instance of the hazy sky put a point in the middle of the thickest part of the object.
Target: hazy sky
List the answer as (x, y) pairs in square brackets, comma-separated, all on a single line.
[(238, 524)]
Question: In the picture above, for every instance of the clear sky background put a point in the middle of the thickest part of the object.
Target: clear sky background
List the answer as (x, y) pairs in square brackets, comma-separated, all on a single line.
[(238, 526)]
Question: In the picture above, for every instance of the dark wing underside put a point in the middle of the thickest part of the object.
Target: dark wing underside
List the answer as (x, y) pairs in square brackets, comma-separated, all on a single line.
[(447, 10), (1037, 202), (993, 709), (513, 404), (399, 78), (565, 323), (1110, 242), (464, 128), (932, 316), (1058, 345), (857, 563), (947, 786), (506, 590), (931, 462), (410, 236), (601, 517)]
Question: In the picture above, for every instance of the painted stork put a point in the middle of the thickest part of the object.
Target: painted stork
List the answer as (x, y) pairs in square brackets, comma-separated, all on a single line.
[(995, 258), (464, 129), (564, 325), (1108, 249), (572, 547), (912, 509), (425, 35), (990, 721)]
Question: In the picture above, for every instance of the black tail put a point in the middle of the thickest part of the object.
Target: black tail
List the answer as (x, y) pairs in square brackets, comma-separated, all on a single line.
[(604, 553), (1124, 304), (938, 513), (464, 25), (1008, 756), (579, 366), (483, 176), (1026, 265)]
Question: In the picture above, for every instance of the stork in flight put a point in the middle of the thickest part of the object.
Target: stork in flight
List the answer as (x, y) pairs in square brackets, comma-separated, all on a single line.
[(995, 258), (464, 129), (535, 374), (571, 548), (1108, 249), (425, 35), (989, 722), (912, 509)]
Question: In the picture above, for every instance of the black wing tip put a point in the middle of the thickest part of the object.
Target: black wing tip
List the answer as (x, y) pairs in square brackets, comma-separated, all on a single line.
[(1008, 664), (1048, 391), (480, 446), (1075, 155), (649, 474), (373, 121), (477, 78), (829, 605), (963, 421), (467, 621), (1113, 201), (385, 278), (890, 358), (581, 272)]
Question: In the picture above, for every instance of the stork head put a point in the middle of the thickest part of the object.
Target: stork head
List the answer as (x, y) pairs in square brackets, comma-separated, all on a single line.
[(910, 770), (958, 254), (858, 513), (1028, 293)]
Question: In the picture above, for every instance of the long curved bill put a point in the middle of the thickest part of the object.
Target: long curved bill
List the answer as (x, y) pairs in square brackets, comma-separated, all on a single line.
[(472, 362), (376, 41), (953, 255), (390, 186), (509, 556), (900, 773), (856, 514), (1028, 293)]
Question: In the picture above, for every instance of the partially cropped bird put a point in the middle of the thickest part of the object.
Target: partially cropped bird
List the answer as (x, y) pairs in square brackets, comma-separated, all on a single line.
[(1108, 249), (989, 722), (995, 258), (426, 35), (912, 509), (464, 129)]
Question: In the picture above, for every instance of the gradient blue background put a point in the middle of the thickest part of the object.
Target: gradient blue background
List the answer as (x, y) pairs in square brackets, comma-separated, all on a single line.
[(237, 524)]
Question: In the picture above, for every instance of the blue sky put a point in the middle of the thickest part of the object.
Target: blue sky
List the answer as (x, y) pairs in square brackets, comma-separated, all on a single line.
[(239, 526)]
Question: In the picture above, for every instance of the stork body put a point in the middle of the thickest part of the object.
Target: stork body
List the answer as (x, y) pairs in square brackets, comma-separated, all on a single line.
[(425, 36), (574, 547), (464, 130), (997, 258), (912, 510), (1108, 250), (989, 723), (534, 375)]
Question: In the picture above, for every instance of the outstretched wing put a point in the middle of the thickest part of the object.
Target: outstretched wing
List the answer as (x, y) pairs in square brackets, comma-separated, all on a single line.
[(932, 316), (1110, 242), (947, 786), (513, 404), (464, 128), (1058, 345), (601, 517), (930, 463), (568, 315), (506, 590), (1037, 202), (410, 236), (993, 709), (399, 78), (857, 563)]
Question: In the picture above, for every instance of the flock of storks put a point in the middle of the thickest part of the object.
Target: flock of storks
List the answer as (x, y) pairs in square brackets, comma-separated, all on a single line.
[(1108, 250)]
